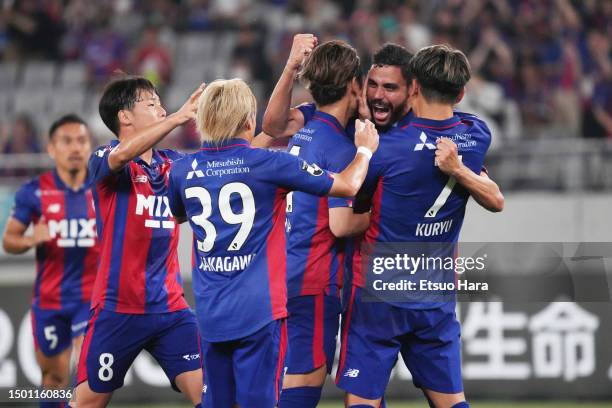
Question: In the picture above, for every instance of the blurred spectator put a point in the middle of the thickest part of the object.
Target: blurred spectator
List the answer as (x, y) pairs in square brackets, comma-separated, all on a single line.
[(151, 58), (21, 137), (35, 30), (540, 67), (104, 50)]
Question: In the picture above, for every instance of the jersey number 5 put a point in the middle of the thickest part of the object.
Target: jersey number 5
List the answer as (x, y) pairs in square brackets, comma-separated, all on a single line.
[(245, 218)]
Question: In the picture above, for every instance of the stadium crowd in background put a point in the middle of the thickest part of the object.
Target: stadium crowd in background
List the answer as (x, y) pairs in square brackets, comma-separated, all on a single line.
[(541, 68)]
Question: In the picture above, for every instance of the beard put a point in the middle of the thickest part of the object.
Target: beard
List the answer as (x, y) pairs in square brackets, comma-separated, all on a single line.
[(392, 113)]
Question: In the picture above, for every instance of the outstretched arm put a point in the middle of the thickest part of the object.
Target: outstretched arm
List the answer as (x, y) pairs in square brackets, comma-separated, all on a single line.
[(484, 190), (280, 120), (150, 136)]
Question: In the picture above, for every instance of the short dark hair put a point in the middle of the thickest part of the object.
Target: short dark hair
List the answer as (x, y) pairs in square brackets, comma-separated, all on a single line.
[(64, 120), (394, 55), (441, 72), (329, 69), (121, 93)]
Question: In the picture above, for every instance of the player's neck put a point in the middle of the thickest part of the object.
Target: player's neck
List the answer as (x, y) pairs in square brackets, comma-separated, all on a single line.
[(340, 110), (433, 111), (73, 179)]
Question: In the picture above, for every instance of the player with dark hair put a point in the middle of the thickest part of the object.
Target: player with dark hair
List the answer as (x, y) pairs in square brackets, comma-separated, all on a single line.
[(385, 99), (138, 301), (60, 207), (234, 197), (420, 180), (314, 255)]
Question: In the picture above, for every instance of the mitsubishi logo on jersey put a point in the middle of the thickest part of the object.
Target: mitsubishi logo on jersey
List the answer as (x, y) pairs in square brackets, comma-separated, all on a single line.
[(156, 206), (424, 143), (76, 232), (198, 173)]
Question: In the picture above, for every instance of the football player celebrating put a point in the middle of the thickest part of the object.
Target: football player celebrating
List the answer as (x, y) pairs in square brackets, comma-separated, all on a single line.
[(60, 207), (234, 197), (138, 301)]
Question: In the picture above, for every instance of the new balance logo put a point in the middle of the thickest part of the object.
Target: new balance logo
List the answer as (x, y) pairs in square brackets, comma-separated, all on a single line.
[(141, 178), (54, 208), (351, 372), (424, 143), (195, 171)]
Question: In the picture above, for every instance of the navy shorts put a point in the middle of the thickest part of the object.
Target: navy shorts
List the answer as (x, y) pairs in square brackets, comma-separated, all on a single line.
[(113, 340), (247, 371), (373, 333), (54, 330), (312, 327)]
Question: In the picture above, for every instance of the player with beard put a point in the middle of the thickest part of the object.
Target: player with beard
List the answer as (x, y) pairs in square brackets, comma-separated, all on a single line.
[(386, 92)]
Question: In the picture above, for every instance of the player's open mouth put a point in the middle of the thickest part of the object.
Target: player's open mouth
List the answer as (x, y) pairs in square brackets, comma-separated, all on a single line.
[(381, 112)]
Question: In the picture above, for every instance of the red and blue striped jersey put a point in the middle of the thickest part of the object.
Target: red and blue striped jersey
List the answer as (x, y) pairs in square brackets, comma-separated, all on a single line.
[(412, 199), (315, 258), (234, 198), (139, 270), (66, 264)]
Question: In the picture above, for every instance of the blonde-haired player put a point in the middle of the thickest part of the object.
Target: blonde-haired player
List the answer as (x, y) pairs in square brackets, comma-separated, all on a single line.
[(234, 197)]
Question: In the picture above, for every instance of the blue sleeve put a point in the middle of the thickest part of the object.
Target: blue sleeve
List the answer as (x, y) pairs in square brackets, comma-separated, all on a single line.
[(27, 204), (308, 110), (473, 157), (363, 199), (293, 173), (98, 165), (336, 161), (175, 200)]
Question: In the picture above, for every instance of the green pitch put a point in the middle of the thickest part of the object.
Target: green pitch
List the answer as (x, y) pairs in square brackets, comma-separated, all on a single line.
[(475, 404)]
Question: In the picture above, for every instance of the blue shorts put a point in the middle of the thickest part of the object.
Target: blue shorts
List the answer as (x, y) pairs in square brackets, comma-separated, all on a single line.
[(312, 327), (247, 371), (374, 332), (54, 330), (113, 340)]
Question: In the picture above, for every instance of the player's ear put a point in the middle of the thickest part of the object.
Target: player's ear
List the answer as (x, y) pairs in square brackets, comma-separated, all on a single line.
[(51, 148), (413, 89), (125, 117), (460, 96)]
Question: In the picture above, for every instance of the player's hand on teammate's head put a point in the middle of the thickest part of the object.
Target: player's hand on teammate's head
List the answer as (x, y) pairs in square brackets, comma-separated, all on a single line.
[(366, 135), (303, 44), (447, 156), (188, 111), (40, 232)]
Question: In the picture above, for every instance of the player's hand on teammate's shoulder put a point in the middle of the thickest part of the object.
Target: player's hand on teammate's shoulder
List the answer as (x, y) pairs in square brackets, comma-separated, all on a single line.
[(303, 44), (188, 111), (447, 156), (40, 233), (366, 135)]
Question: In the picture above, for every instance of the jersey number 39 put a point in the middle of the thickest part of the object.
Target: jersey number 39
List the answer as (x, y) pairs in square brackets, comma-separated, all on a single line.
[(245, 218)]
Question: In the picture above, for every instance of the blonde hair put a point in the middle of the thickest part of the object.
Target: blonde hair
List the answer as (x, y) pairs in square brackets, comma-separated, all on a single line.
[(224, 109)]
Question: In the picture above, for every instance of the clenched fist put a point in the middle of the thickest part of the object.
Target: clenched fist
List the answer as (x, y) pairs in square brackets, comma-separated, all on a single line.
[(303, 44), (447, 156)]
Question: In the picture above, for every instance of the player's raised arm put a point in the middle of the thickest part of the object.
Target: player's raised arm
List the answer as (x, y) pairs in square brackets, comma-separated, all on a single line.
[(348, 182), (148, 137), (484, 190), (279, 119)]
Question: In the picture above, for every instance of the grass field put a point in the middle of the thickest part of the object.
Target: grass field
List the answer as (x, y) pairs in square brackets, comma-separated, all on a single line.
[(410, 404)]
